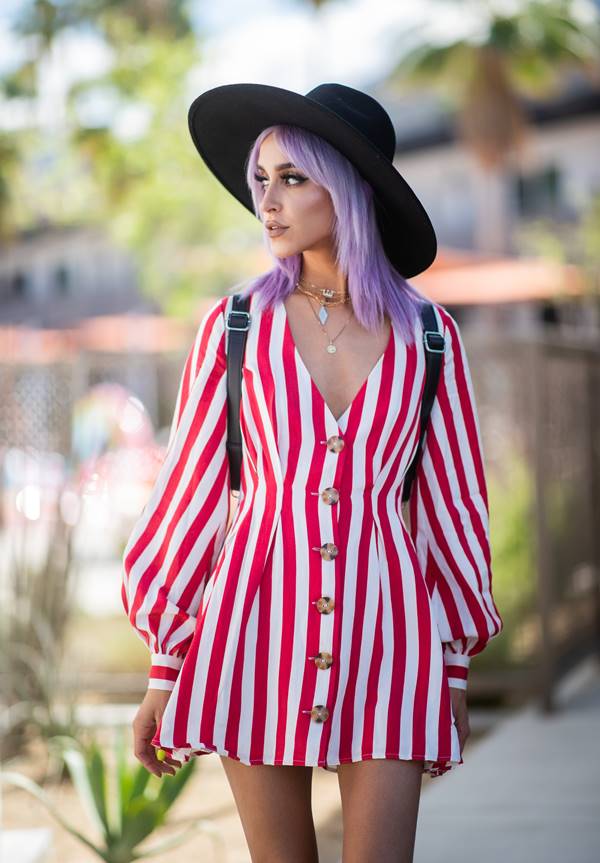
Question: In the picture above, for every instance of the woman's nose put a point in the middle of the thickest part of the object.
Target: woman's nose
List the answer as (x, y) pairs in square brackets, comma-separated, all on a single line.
[(269, 200)]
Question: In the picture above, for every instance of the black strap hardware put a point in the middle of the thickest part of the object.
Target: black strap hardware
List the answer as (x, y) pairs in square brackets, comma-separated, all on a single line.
[(431, 338), (243, 314)]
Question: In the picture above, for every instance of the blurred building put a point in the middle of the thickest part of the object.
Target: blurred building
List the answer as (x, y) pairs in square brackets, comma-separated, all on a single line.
[(54, 276), (556, 178), (512, 296), (481, 273)]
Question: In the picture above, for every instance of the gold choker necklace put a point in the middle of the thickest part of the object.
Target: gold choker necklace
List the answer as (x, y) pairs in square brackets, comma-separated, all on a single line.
[(324, 297)]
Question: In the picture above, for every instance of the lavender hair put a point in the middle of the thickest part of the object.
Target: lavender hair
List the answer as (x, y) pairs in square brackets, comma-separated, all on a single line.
[(374, 285)]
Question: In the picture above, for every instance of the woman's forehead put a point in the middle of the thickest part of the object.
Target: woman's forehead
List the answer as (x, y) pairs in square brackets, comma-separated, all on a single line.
[(270, 148)]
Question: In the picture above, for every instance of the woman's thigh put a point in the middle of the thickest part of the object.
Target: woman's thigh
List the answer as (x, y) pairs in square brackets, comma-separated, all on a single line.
[(274, 804), (380, 804)]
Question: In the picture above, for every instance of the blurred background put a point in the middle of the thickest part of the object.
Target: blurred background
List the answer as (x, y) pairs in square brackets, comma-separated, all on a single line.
[(114, 239)]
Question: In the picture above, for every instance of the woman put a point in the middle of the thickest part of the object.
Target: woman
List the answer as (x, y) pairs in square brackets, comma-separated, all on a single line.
[(315, 629)]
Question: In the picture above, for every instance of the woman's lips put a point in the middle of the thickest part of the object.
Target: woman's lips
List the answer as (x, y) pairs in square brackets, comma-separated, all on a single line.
[(275, 232)]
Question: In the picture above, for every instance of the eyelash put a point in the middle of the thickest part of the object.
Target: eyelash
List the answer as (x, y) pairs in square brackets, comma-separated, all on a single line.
[(301, 179)]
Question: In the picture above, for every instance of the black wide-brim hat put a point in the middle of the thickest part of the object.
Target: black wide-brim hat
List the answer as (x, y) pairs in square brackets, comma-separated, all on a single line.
[(225, 121)]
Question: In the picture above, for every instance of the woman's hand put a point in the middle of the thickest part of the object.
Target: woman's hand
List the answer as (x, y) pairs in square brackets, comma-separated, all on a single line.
[(145, 724), (459, 707)]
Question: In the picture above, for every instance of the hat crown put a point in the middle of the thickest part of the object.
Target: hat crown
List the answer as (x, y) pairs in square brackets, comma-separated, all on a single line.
[(361, 111)]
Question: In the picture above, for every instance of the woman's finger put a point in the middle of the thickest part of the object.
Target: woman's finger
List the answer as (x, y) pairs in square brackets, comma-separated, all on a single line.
[(147, 759), (163, 758), (146, 753)]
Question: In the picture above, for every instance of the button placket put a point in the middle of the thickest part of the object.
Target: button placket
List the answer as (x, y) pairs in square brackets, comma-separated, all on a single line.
[(323, 657)]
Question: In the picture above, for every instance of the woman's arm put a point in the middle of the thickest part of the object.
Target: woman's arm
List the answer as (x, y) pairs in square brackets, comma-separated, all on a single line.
[(449, 518), (174, 543)]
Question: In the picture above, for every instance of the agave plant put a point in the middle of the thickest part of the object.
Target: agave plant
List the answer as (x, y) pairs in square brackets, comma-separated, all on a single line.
[(124, 802)]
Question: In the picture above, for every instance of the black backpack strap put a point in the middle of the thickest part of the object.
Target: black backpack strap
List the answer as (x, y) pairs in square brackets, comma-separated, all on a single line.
[(237, 323), (434, 343)]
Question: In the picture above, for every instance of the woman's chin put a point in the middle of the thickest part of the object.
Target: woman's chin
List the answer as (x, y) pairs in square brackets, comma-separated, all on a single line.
[(281, 250)]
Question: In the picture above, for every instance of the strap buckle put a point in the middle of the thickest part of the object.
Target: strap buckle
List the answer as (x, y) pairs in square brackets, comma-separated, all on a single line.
[(228, 322), (438, 338)]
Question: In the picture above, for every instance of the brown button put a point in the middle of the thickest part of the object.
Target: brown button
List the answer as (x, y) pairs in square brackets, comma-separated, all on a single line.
[(322, 660), (330, 495), (325, 604), (328, 550), (335, 443), (319, 713)]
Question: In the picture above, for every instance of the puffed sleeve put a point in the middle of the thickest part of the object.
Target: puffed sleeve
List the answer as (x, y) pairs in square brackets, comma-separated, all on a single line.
[(449, 516), (177, 538)]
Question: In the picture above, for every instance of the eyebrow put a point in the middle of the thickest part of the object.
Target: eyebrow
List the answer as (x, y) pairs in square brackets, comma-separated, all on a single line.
[(279, 167)]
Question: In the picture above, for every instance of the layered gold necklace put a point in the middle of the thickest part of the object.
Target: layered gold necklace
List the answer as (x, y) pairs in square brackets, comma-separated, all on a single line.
[(326, 298)]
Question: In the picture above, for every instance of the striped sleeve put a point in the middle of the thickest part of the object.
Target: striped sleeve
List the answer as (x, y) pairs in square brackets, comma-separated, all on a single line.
[(449, 516), (175, 542)]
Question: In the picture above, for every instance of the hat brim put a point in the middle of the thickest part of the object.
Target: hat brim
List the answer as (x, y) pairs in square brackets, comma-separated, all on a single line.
[(225, 121)]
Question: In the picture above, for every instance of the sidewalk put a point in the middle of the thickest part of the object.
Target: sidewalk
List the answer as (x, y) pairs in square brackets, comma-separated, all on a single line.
[(527, 793)]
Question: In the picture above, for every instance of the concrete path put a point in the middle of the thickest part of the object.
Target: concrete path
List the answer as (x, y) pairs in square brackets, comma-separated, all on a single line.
[(529, 792)]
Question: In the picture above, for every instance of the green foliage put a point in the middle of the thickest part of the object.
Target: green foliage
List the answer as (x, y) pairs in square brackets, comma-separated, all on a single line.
[(513, 557), (537, 40), (155, 198), (134, 171), (124, 803), (46, 19), (33, 622)]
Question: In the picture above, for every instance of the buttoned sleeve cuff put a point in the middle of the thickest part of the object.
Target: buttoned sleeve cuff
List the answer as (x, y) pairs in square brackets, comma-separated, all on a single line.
[(164, 670), (457, 668)]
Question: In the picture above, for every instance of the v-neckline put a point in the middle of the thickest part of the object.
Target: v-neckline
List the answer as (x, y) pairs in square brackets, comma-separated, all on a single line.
[(339, 420)]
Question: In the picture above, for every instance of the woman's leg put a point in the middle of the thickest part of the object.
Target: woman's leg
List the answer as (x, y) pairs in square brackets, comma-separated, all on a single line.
[(274, 804), (380, 804)]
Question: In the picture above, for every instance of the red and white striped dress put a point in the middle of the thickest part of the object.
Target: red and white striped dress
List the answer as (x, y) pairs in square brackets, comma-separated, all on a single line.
[(318, 629)]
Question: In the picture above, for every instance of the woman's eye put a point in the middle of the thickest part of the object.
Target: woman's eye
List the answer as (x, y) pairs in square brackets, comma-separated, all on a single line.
[(294, 177), (297, 177)]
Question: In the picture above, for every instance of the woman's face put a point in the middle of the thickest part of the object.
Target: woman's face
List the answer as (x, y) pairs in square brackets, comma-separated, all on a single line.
[(292, 199)]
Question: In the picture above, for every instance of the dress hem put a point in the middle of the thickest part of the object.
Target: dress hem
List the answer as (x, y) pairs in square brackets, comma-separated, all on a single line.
[(433, 767)]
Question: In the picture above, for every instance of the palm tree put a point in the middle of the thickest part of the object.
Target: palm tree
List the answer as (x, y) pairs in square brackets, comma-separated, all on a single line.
[(525, 53)]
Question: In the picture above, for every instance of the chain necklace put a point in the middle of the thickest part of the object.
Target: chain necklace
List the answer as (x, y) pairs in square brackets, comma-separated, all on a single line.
[(322, 315), (324, 296)]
